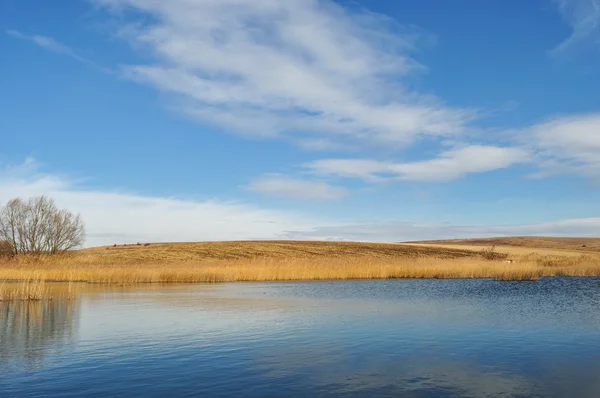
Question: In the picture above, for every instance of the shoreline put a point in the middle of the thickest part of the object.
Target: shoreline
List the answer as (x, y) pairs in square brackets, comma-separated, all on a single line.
[(265, 261)]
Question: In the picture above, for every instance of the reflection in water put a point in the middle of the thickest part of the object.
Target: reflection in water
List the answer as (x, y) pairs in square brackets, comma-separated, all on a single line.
[(418, 338), (29, 329)]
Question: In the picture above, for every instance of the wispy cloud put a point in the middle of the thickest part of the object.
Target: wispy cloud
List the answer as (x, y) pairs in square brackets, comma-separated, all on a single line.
[(287, 187), (323, 144), (584, 18), (566, 145), (45, 42), (53, 45), (450, 165), (118, 217), (271, 67), (401, 232)]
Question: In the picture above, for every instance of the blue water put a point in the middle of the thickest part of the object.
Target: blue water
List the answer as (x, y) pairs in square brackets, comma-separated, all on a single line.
[(409, 338)]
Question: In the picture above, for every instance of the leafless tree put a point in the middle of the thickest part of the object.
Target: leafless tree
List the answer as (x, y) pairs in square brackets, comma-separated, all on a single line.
[(10, 219), (37, 226)]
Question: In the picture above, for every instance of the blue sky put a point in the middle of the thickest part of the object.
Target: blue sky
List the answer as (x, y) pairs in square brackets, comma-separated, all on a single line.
[(370, 120)]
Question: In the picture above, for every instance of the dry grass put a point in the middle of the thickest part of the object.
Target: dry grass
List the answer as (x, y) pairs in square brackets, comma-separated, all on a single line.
[(244, 250), (33, 290), (537, 242), (286, 261), (516, 251), (29, 291)]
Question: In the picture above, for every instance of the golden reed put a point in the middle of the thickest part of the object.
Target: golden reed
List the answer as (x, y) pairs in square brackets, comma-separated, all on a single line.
[(286, 261), (30, 291)]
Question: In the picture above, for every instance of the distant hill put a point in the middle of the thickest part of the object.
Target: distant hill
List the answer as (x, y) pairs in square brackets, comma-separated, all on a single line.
[(542, 242), (236, 250)]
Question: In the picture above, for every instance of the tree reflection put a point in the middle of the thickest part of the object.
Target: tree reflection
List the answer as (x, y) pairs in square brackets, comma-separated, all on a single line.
[(29, 330)]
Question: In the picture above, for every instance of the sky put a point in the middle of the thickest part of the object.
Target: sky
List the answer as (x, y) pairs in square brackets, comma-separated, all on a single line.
[(191, 120)]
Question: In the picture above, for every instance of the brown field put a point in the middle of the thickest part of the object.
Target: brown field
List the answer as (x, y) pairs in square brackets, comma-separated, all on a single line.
[(515, 251), (537, 242), (293, 260)]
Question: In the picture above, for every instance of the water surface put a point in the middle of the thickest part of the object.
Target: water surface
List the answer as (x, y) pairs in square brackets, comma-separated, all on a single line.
[(413, 338)]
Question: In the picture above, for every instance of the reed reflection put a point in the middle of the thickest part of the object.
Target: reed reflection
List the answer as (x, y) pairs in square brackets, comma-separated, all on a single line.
[(31, 329)]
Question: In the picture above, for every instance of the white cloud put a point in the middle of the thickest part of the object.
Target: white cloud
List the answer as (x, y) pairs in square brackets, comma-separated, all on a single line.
[(116, 217), (584, 18), (282, 186), (270, 66), (566, 145), (448, 166), (561, 145)]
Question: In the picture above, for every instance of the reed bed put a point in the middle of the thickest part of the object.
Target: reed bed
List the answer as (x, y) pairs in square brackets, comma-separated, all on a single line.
[(34, 290), (26, 291), (285, 261), (303, 269)]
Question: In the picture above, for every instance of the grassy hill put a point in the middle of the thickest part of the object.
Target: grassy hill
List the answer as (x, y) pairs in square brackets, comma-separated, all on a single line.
[(538, 242), (246, 250), (309, 260)]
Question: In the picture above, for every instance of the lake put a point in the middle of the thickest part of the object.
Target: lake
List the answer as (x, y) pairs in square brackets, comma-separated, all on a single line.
[(409, 338)]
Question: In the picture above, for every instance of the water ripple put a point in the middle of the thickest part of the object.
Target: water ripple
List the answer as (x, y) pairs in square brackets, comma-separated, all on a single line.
[(414, 338)]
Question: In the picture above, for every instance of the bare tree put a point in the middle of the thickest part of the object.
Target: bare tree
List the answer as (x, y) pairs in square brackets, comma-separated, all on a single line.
[(10, 219), (38, 226), (65, 231)]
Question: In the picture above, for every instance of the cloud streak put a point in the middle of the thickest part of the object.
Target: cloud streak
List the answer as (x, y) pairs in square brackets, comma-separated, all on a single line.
[(565, 145), (53, 45), (450, 165), (119, 217), (293, 188), (584, 18), (402, 232), (44, 42), (273, 67)]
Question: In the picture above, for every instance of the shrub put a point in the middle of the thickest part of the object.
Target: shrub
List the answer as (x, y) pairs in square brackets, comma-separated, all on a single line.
[(492, 254), (6, 249)]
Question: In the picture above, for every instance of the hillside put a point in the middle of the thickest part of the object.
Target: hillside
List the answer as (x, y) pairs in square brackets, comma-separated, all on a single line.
[(244, 250), (540, 242), (303, 260)]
